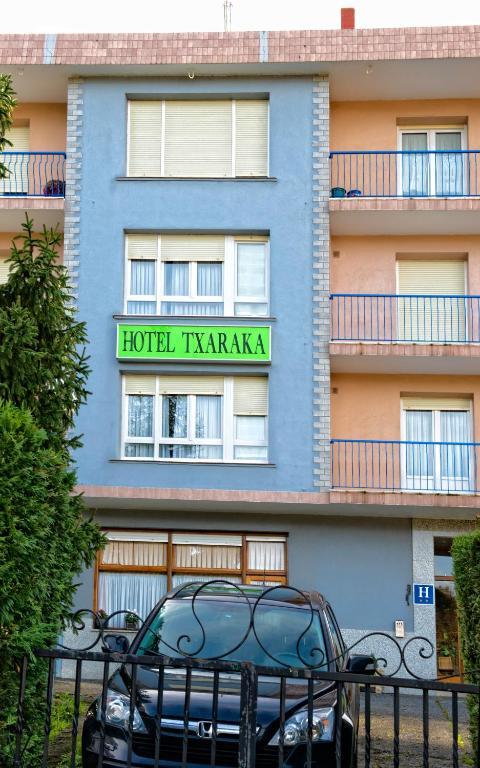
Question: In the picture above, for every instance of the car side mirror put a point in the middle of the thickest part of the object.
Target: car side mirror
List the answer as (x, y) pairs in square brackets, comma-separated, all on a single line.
[(362, 665), (115, 644)]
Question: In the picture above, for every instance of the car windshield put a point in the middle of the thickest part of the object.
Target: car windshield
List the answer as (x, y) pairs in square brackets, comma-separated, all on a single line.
[(284, 635)]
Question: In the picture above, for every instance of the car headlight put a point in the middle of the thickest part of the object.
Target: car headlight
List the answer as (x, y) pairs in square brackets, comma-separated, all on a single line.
[(117, 712), (296, 727)]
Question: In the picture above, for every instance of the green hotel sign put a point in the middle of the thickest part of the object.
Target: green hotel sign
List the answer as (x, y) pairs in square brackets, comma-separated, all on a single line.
[(193, 342)]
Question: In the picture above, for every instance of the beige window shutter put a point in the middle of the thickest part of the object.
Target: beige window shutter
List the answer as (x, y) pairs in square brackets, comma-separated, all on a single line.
[(212, 540), (145, 138), (432, 403), (250, 396), (198, 138), (20, 138), (192, 247), (4, 269), (142, 246), (431, 319), (140, 385), (191, 385), (442, 277), (251, 136)]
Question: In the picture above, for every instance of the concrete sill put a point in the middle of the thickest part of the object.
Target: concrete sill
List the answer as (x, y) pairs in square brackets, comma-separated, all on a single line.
[(208, 319), (183, 462), (196, 178)]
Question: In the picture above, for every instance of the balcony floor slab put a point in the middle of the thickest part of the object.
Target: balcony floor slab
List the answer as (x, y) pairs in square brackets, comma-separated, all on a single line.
[(385, 357), (400, 216), (46, 211)]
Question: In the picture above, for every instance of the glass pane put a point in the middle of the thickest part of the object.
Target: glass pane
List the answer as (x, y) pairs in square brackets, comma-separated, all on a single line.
[(142, 280), (172, 451), (415, 165), (141, 308), (146, 553), (250, 453), (455, 460), (192, 308), (449, 165), (251, 280), (134, 592), (266, 556), (207, 556), (250, 428), (419, 431), (140, 415), (187, 578), (208, 422), (138, 450), (247, 309), (174, 416), (176, 278), (209, 278)]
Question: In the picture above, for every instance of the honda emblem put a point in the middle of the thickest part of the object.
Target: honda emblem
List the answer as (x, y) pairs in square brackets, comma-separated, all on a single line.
[(205, 729)]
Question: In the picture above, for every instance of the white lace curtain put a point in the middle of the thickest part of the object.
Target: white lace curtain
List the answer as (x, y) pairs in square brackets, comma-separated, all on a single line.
[(135, 592)]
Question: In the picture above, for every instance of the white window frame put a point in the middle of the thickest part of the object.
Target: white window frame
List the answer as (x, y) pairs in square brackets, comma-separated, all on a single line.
[(228, 429), (233, 140), (229, 298), (430, 130), (435, 482)]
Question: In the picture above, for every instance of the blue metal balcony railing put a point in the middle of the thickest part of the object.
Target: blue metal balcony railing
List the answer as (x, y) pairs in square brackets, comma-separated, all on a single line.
[(441, 173), (404, 465), (33, 174), (412, 318)]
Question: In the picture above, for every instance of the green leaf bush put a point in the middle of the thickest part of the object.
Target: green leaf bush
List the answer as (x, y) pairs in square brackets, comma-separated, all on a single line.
[(466, 563)]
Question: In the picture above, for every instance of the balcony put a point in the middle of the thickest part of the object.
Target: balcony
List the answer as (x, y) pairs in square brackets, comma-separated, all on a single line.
[(375, 472), (405, 333), (376, 188), (35, 184)]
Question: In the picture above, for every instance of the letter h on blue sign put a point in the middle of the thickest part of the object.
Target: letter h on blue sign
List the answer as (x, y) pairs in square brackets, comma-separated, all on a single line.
[(423, 594)]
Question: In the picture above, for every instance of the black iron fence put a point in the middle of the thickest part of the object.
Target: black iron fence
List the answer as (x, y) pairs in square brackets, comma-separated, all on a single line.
[(132, 708)]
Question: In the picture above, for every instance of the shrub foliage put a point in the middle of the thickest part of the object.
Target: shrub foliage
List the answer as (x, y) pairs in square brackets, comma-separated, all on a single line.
[(466, 561)]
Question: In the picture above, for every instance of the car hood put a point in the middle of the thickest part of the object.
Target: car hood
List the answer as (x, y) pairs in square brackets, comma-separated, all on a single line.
[(201, 694)]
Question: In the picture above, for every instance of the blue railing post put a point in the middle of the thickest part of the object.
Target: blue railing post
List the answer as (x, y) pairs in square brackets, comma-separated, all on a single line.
[(429, 319), (405, 465), (405, 173), (33, 174)]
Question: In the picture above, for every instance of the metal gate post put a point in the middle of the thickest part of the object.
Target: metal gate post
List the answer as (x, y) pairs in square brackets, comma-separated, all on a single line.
[(248, 716)]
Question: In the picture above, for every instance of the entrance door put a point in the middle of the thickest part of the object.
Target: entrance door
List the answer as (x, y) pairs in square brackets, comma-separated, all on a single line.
[(449, 659)]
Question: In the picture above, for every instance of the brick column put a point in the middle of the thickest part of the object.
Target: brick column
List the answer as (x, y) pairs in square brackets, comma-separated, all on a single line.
[(321, 287), (73, 181)]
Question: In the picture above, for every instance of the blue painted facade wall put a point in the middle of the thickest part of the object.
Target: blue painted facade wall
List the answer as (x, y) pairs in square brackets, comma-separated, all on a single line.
[(282, 207)]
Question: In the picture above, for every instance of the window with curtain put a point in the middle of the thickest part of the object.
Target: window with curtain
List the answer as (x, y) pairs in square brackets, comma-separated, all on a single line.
[(134, 570), (437, 454), (198, 138), (433, 162), (196, 275), (183, 418)]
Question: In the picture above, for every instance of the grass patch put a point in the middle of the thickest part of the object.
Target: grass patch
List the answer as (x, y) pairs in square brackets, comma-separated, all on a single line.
[(61, 728)]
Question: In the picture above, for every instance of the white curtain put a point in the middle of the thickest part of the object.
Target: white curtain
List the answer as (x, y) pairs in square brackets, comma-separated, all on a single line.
[(135, 553), (209, 278), (176, 278), (142, 283), (247, 309), (449, 167), (456, 461), (186, 578), (415, 166), (251, 270), (208, 417), (250, 428), (135, 592), (266, 555), (205, 556), (419, 458), (192, 308)]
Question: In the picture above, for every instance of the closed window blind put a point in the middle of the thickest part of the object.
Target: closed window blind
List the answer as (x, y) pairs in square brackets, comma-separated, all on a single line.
[(4, 268), (250, 396), (198, 138), (20, 138), (193, 247), (145, 134)]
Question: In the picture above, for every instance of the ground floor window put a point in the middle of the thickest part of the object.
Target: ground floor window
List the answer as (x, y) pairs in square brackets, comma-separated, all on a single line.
[(138, 567)]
